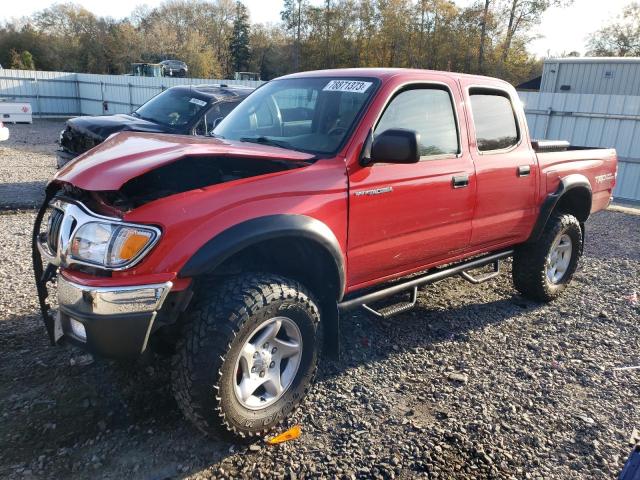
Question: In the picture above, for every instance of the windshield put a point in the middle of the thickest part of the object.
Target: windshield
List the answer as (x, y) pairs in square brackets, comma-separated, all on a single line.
[(309, 114), (174, 108)]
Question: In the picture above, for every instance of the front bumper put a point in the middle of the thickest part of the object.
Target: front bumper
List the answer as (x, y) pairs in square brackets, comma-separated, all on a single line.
[(4, 134), (117, 321)]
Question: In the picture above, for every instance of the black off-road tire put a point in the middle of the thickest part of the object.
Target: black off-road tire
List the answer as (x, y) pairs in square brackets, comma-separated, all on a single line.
[(222, 318), (530, 260)]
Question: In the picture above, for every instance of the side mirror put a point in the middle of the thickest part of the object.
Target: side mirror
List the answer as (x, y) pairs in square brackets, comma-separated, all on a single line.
[(394, 146)]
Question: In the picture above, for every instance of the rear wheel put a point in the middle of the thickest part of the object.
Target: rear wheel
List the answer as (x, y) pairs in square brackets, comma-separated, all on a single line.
[(248, 355), (542, 270)]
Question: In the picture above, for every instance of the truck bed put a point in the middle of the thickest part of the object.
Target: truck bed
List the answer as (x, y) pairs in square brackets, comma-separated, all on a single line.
[(558, 159)]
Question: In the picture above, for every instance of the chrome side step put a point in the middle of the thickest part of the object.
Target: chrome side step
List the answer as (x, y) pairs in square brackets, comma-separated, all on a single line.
[(475, 280), (414, 283)]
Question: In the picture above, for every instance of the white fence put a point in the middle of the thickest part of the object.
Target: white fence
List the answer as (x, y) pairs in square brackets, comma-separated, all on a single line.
[(592, 121), (68, 94)]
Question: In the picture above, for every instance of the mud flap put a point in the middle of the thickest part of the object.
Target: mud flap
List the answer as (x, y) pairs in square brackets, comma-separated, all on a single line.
[(331, 330)]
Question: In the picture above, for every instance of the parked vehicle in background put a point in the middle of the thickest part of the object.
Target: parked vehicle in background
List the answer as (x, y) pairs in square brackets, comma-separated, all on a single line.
[(183, 110), (321, 192), (147, 70), (174, 68), (246, 76), (4, 133), (16, 112)]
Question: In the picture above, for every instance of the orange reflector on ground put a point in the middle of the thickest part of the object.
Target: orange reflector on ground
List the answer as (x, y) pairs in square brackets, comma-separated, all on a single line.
[(291, 434)]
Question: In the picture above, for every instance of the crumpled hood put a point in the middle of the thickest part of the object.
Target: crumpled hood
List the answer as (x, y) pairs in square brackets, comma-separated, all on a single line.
[(127, 155), (102, 126)]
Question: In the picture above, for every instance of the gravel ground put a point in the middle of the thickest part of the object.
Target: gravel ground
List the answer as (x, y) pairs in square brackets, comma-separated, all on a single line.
[(27, 162), (474, 383)]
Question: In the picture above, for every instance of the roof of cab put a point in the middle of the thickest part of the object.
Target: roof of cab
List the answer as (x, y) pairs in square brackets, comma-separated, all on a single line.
[(388, 73)]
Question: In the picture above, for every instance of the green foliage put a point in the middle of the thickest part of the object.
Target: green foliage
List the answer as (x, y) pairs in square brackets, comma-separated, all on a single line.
[(27, 60), (21, 61), (239, 45), (215, 38)]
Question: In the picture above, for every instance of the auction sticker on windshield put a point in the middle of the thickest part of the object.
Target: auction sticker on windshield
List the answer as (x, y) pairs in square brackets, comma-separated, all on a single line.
[(199, 102), (355, 86)]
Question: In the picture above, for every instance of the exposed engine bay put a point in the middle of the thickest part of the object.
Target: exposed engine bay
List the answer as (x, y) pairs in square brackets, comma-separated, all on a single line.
[(185, 174)]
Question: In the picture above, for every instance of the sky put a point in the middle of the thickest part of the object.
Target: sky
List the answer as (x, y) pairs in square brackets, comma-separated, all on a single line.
[(561, 30)]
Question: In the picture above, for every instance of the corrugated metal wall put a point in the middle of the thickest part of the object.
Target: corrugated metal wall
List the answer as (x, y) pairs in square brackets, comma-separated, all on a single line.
[(48, 92), (591, 121), (68, 94), (613, 77)]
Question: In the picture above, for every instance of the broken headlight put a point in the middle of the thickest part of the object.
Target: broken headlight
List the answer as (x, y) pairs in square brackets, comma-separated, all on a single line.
[(111, 245)]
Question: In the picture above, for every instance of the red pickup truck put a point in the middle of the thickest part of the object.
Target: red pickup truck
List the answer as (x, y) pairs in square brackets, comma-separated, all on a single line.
[(321, 192)]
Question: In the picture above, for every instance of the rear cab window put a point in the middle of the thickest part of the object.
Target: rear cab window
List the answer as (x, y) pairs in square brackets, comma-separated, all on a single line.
[(494, 119), (429, 111)]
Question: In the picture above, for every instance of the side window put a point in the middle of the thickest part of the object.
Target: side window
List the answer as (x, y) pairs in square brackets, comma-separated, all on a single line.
[(494, 120), (428, 111)]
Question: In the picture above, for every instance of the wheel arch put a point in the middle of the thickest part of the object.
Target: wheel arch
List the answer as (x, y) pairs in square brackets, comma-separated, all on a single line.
[(296, 246), (573, 196)]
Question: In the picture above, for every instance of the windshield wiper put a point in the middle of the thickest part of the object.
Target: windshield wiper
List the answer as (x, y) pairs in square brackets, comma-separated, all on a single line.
[(267, 141)]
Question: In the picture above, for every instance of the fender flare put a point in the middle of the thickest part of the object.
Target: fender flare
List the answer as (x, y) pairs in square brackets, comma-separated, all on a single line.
[(567, 184), (251, 232)]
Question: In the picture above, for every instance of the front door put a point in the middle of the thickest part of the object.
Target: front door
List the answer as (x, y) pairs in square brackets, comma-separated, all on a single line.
[(403, 217)]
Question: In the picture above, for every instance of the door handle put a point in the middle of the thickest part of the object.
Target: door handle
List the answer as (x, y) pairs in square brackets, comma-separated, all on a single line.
[(460, 181), (524, 170)]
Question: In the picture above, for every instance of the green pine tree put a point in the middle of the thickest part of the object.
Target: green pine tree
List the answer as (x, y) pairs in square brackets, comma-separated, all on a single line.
[(239, 45)]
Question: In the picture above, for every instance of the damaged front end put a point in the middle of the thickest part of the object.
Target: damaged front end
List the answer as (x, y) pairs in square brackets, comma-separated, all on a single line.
[(79, 250), (81, 227)]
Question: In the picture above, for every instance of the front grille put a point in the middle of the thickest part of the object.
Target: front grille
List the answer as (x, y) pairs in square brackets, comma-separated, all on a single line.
[(53, 229)]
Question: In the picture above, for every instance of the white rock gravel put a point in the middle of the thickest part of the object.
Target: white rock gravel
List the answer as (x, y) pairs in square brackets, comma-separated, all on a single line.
[(27, 162)]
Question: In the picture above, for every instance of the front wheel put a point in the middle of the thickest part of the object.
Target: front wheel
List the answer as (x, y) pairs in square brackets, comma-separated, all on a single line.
[(542, 270), (248, 355)]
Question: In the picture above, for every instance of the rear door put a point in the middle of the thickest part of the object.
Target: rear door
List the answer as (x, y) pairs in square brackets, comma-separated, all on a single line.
[(506, 168), (403, 217)]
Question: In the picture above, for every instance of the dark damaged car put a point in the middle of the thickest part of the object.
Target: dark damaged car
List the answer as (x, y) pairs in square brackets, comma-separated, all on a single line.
[(183, 110)]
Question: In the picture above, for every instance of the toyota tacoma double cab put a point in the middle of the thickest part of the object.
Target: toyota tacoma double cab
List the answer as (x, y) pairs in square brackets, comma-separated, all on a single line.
[(321, 192)]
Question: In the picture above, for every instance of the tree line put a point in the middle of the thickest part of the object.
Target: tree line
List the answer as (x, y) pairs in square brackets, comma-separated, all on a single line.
[(215, 37)]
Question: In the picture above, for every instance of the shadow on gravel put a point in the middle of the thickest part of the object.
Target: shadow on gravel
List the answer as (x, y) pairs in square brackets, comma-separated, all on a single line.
[(366, 339), (55, 407), (66, 413), (21, 195)]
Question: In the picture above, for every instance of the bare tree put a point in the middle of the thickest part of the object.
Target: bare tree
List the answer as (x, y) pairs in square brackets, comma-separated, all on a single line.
[(619, 38)]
